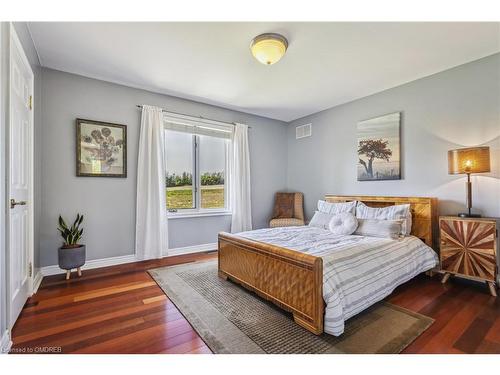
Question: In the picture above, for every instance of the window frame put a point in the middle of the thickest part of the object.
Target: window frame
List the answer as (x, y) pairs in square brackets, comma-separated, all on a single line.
[(197, 210)]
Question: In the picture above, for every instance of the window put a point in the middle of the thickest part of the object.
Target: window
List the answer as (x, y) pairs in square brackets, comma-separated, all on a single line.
[(196, 176), (212, 156), (181, 188)]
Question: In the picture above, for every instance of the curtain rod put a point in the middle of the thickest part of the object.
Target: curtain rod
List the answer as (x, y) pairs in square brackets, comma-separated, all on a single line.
[(200, 117)]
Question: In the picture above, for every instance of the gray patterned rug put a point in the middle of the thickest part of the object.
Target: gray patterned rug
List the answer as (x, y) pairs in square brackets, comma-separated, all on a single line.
[(230, 319)]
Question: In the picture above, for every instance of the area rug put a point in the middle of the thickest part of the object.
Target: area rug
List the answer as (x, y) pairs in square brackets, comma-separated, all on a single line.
[(231, 319)]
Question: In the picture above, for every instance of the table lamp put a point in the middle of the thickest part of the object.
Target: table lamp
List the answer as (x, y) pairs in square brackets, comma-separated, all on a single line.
[(466, 161)]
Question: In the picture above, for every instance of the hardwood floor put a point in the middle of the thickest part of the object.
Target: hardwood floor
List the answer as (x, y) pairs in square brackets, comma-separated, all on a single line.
[(120, 309), (117, 309)]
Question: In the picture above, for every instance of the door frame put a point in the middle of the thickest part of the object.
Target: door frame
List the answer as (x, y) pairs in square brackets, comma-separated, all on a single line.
[(14, 39), (5, 341)]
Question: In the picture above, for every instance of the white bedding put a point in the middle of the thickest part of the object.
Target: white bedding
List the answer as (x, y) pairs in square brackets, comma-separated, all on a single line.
[(357, 270)]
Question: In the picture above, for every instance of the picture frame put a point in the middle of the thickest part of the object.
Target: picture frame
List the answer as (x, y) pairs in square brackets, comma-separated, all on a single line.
[(379, 148), (101, 149)]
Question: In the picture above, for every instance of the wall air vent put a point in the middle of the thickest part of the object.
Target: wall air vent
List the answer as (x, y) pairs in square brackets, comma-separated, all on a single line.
[(303, 131)]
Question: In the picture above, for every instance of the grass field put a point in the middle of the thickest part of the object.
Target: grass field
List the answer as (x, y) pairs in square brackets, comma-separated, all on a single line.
[(182, 197)]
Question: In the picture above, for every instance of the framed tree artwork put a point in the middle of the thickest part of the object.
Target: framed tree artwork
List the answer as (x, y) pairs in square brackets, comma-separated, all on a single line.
[(379, 148), (101, 149)]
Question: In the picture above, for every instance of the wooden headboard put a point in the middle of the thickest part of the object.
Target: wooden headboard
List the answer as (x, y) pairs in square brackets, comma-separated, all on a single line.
[(423, 210)]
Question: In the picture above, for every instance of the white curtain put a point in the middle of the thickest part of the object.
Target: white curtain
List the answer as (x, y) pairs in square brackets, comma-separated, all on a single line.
[(240, 197), (151, 228)]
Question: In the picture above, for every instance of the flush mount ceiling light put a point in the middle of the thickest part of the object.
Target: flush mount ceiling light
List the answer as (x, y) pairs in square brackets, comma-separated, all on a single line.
[(269, 48)]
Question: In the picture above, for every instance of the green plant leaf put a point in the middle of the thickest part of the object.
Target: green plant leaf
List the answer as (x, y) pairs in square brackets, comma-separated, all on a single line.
[(71, 235), (76, 221), (62, 223)]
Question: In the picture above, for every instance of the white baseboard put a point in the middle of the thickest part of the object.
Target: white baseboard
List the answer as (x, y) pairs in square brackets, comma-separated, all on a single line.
[(192, 249), (95, 263), (6, 343), (106, 262), (37, 280)]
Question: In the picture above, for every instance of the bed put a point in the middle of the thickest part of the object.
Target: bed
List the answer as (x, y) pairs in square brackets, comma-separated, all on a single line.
[(323, 279)]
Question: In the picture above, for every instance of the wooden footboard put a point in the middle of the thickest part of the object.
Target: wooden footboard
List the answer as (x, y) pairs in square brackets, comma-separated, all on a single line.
[(290, 279)]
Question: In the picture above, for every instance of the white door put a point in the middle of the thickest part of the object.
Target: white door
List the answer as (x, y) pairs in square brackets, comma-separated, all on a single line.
[(20, 178)]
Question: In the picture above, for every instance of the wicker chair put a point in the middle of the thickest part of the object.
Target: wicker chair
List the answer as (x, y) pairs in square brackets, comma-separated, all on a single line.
[(298, 218)]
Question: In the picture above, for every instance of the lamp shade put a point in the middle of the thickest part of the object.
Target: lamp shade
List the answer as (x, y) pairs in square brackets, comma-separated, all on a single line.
[(269, 48), (469, 160)]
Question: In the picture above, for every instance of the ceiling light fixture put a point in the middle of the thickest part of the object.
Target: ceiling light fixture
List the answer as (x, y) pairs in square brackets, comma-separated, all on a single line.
[(269, 48)]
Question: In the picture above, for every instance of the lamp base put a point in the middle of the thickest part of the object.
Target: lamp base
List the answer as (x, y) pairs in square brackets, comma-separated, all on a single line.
[(466, 214)]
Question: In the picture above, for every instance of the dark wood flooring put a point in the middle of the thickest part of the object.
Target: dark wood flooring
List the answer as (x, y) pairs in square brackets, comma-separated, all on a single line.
[(120, 309)]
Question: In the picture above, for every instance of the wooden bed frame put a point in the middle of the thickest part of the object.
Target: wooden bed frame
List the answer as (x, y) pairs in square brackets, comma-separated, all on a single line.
[(294, 280)]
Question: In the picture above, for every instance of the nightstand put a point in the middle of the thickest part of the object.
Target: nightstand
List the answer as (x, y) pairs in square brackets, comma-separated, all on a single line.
[(468, 248)]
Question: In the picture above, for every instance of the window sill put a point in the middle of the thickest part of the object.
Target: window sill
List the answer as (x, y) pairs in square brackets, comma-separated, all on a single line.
[(186, 215)]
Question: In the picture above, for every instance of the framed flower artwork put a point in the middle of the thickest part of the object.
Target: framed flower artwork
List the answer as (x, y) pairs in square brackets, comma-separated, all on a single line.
[(101, 149)]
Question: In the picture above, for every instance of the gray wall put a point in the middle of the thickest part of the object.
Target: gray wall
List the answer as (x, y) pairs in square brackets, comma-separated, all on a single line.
[(455, 108), (109, 203)]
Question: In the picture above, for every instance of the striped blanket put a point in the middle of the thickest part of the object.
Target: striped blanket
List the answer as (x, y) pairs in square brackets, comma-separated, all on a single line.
[(358, 271)]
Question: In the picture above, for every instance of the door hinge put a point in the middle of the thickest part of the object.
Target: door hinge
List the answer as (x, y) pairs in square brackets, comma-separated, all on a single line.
[(31, 102), (30, 269)]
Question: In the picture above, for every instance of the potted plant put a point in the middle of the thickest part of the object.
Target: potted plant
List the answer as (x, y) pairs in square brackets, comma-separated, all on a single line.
[(71, 254)]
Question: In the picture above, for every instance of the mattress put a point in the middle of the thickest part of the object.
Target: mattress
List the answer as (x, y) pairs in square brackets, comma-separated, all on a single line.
[(358, 271)]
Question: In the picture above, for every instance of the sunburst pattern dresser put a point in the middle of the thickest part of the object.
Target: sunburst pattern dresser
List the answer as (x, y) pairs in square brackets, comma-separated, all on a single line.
[(469, 248)]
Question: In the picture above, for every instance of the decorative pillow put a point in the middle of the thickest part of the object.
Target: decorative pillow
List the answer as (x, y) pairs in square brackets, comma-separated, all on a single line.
[(379, 228), (336, 208), (408, 223), (320, 220), (343, 223), (397, 212), (284, 206)]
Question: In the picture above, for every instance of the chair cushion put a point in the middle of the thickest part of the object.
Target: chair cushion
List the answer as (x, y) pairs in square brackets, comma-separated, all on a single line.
[(274, 223), (284, 206), (343, 223)]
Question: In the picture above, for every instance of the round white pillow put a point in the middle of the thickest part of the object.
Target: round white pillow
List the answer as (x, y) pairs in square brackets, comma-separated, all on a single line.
[(343, 223)]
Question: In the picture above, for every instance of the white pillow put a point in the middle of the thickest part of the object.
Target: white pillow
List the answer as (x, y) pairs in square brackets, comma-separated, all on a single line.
[(320, 220), (379, 228), (336, 208), (343, 223), (396, 212)]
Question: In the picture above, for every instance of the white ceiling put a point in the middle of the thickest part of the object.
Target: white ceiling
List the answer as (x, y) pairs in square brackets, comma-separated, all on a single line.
[(326, 63)]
